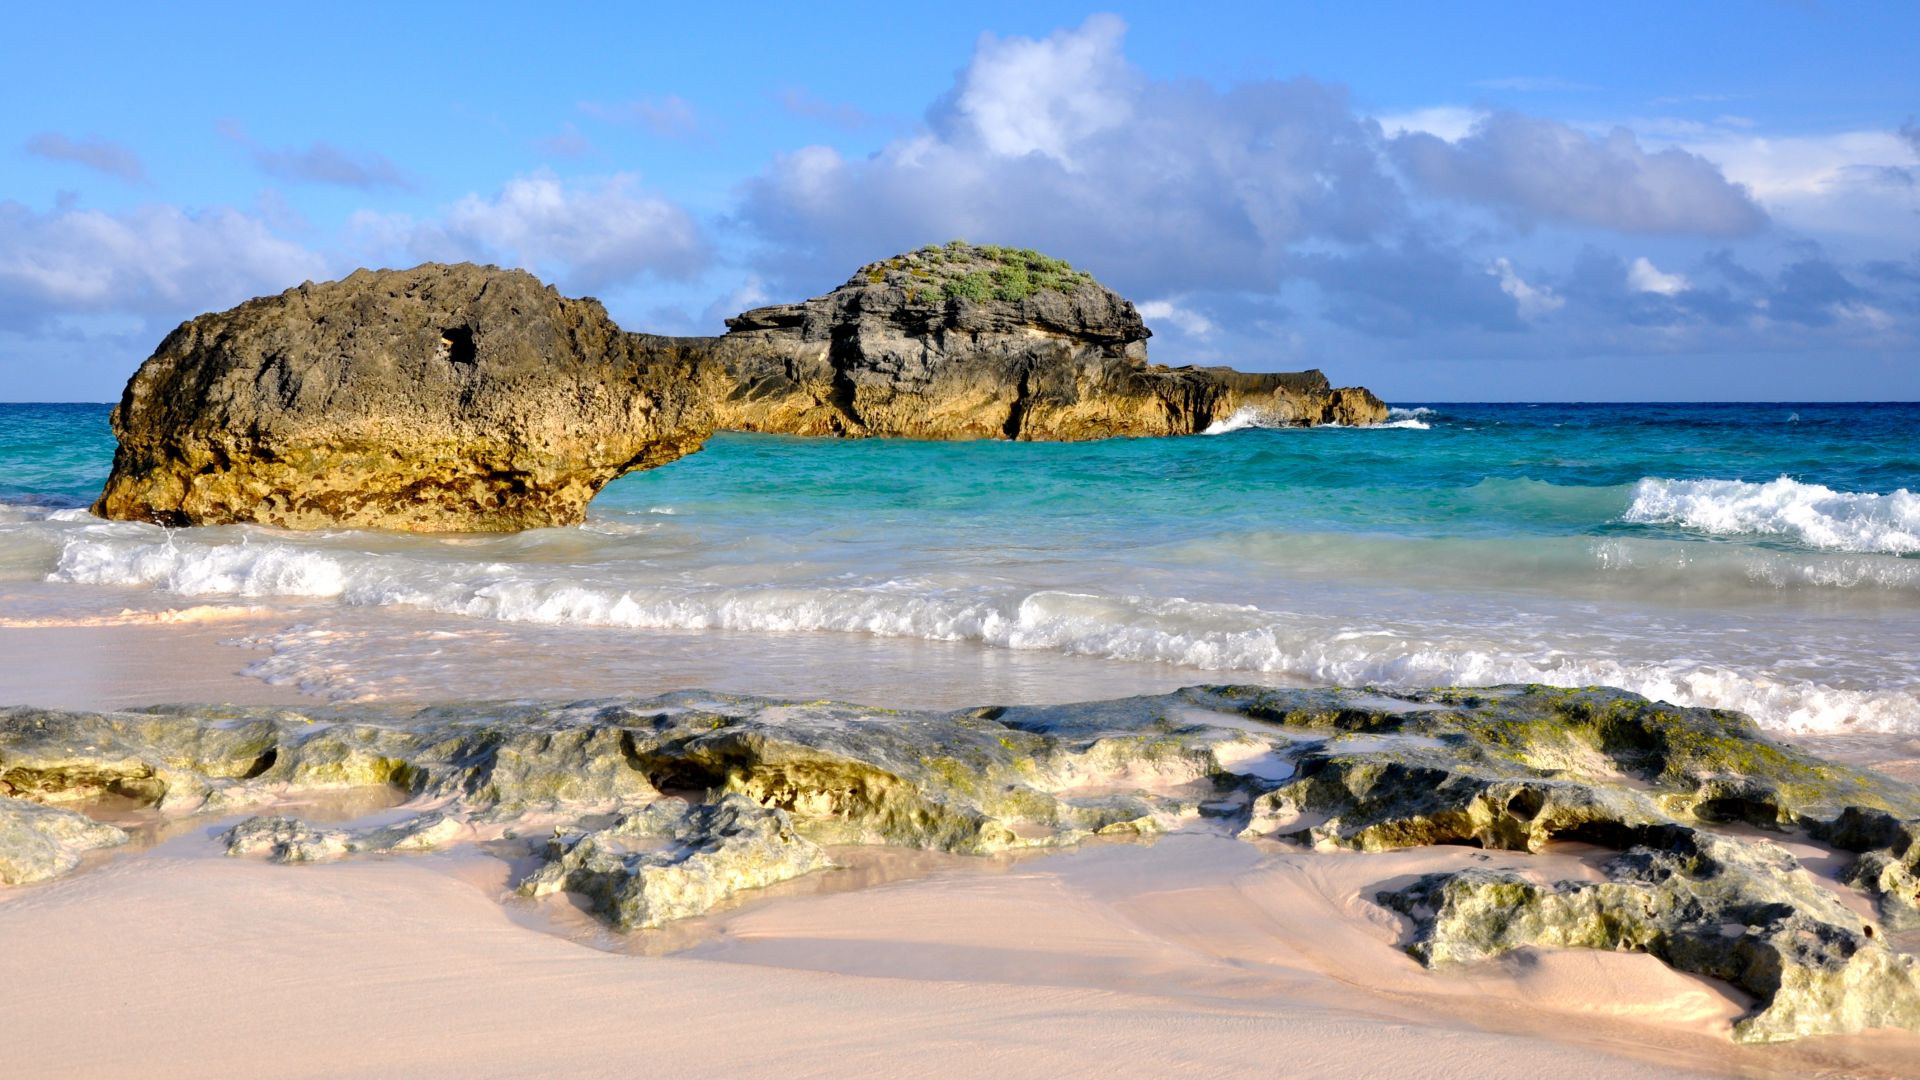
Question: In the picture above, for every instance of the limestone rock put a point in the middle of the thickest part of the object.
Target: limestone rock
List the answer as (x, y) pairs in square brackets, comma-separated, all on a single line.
[(285, 840), (442, 398), (1745, 913), (468, 398), (660, 807), (40, 842), (692, 858), (1888, 866), (967, 342), (290, 840)]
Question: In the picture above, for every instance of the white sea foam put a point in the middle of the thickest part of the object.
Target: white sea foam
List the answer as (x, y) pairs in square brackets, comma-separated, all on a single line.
[(1248, 416), (1239, 420), (1324, 647), (1811, 514)]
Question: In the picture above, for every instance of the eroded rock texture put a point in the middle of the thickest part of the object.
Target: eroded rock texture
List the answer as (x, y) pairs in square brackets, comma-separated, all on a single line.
[(446, 398), (659, 809), (1748, 914), (966, 342), (40, 842), (468, 398)]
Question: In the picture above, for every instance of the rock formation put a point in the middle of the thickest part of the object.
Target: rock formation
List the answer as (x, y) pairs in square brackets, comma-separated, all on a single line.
[(439, 398), (966, 342), (466, 398), (662, 808)]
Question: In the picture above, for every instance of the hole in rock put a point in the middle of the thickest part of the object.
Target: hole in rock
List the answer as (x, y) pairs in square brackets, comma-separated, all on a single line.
[(1526, 804), (261, 764), (457, 342)]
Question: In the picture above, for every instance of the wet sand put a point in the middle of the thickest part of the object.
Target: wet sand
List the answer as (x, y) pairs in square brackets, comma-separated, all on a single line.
[(1194, 955)]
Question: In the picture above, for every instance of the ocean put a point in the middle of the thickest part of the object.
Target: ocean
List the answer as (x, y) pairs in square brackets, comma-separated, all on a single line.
[(1760, 557)]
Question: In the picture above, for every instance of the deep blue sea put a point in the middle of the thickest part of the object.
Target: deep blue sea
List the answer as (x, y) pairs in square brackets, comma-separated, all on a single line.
[(1760, 557)]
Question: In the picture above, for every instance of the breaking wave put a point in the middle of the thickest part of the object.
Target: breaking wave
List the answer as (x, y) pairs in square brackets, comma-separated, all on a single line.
[(1316, 647), (1810, 514), (1250, 417)]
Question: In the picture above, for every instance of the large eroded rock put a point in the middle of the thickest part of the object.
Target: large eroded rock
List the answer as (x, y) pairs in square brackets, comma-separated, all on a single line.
[(448, 398), (468, 398), (972, 342)]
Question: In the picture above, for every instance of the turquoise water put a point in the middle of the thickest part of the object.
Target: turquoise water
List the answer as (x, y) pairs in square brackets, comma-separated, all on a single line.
[(1763, 557)]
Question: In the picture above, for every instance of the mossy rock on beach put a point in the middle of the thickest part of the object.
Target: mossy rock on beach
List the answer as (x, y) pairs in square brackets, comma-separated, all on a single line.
[(661, 808)]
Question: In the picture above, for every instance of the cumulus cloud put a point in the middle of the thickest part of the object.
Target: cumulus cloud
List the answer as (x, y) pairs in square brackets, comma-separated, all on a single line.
[(1449, 122), (586, 236), (1530, 300), (1643, 276), (95, 153), (1060, 143), (318, 163), (1537, 169), (152, 261), (669, 117), (1785, 170), (1198, 191), (1185, 319)]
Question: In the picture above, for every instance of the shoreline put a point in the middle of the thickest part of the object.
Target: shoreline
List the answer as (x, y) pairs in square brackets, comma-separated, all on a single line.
[(1137, 959), (1189, 952), (190, 652)]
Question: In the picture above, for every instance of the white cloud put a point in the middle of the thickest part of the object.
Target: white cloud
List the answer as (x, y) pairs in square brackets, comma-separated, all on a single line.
[(1186, 320), (1643, 276), (1449, 122), (1863, 185), (1021, 96), (1543, 169), (1789, 168), (1532, 301), (1061, 144), (586, 237), (154, 261)]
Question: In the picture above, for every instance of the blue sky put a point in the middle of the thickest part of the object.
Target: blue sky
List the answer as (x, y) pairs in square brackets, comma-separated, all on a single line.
[(1443, 202)]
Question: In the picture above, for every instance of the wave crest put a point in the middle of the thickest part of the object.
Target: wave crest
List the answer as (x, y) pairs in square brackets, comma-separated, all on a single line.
[(1811, 514), (1318, 648)]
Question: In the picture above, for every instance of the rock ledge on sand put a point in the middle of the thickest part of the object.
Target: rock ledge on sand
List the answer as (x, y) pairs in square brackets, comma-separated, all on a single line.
[(663, 808)]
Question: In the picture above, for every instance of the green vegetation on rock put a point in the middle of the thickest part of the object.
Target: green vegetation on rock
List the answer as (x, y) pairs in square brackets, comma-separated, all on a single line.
[(979, 273)]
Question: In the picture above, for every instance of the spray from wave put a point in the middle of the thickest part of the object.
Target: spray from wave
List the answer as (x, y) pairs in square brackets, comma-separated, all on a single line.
[(1250, 417), (1811, 514)]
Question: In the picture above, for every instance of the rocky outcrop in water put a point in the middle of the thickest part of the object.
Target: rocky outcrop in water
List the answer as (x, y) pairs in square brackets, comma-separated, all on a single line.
[(967, 342), (467, 398), (446, 398), (662, 808)]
